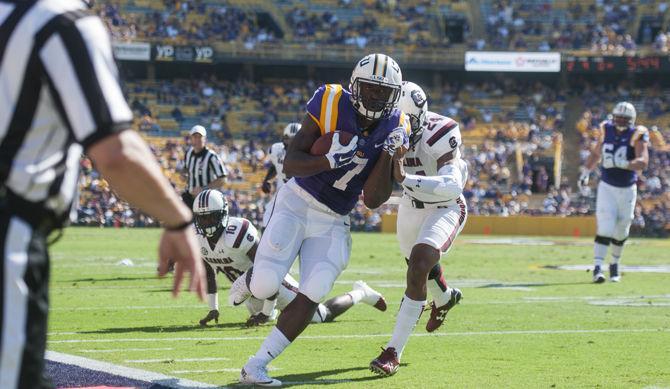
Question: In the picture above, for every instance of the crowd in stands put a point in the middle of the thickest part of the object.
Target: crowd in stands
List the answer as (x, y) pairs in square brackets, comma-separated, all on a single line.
[(600, 26)]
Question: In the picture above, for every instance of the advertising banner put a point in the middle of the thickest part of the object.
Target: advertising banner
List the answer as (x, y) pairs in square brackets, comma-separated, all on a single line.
[(512, 61)]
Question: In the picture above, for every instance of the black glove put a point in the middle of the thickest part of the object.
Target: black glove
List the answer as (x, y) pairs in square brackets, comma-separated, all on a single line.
[(257, 319), (213, 314), (266, 187)]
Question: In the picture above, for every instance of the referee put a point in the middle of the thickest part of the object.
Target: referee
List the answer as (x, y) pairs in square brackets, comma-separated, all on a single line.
[(202, 166), (59, 97)]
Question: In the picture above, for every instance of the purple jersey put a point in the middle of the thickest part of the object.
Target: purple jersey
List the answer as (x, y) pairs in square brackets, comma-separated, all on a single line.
[(619, 145), (331, 109)]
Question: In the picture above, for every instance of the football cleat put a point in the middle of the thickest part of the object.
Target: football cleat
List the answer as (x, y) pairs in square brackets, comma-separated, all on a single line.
[(239, 291), (371, 297), (598, 276), (257, 319), (212, 315), (438, 314), (614, 272), (254, 373), (386, 364)]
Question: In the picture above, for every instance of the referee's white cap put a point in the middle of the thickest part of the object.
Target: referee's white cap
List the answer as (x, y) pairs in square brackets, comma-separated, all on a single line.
[(198, 129)]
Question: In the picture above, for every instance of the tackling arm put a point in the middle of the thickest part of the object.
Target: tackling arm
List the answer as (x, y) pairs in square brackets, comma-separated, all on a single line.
[(448, 184)]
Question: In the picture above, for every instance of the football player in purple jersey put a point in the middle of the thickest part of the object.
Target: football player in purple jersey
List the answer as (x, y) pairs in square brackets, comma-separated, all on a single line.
[(622, 150), (310, 217)]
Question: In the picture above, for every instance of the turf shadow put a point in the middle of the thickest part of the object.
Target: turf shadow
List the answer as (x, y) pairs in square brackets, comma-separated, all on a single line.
[(532, 285), (111, 279), (316, 378), (160, 329)]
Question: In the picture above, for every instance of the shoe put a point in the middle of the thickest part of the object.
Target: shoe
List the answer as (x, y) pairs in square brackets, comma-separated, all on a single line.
[(386, 364), (212, 315), (438, 314), (371, 297), (239, 291), (256, 374), (614, 272), (598, 276)]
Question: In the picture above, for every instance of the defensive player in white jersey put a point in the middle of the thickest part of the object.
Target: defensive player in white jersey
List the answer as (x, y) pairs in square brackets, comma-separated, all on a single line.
[(228, 245), (432, 212), (276, 169), (622, 151)]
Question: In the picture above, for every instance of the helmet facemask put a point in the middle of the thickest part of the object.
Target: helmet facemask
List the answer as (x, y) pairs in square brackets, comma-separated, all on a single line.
[(209, 223), (374, 99), (623, 115)]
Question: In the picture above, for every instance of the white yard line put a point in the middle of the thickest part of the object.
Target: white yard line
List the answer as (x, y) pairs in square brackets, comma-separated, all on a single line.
[(164, 360), (132, 373), (359, 336), (124, 350)]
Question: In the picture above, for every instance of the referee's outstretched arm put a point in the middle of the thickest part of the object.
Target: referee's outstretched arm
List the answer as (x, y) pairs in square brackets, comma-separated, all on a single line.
[(126, 162)]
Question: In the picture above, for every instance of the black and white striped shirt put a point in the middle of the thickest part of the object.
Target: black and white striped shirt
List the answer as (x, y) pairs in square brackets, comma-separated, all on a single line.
[(59, 94), (203, 168)]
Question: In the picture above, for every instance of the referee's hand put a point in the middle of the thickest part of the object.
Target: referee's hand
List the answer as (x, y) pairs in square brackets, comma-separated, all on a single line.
[(181, 247)]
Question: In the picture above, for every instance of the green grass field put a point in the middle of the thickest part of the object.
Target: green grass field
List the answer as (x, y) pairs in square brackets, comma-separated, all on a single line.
[(520, 324)]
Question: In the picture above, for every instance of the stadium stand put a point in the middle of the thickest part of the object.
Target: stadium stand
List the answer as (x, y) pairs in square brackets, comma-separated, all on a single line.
[(518, 131)]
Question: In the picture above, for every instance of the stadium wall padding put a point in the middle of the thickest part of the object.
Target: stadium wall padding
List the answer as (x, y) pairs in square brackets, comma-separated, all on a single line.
[(518, 225)]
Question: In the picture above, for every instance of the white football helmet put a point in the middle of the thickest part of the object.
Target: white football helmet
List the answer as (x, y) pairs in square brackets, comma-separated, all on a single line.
[(414, 104), (624, 115), (289, 132), (379, 70), (210, 211)]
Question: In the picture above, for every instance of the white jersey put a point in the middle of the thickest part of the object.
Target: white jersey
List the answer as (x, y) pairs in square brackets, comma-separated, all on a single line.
[(229, 256), (441, 135), (277, 155)]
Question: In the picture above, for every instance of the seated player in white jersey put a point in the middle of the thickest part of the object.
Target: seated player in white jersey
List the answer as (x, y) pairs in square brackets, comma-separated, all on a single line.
[(311, 215), (431, 214), (228, 245), (622, 150), (276, 169)]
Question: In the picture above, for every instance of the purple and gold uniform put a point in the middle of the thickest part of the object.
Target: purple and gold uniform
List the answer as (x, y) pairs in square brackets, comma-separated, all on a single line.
[(617, 190), (619, 145), (332, 110)]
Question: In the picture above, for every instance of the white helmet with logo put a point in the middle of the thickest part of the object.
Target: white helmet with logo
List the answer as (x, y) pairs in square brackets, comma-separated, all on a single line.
[(414, 104), (625, 111), (379, 70), (291, 129), (210, 211)]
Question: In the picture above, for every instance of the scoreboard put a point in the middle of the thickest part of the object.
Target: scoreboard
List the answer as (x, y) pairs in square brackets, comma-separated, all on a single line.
[(611, 64)]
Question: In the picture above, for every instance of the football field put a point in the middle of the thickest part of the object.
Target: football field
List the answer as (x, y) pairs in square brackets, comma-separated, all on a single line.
[(530, 317)]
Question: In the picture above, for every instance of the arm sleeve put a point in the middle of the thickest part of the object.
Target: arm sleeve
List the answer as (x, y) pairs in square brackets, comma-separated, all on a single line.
[(448, 184), (83, 78), (248, 238), (217, 169)]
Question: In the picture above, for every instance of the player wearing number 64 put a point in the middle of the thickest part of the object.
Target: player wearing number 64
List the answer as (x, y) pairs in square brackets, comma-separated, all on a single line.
[(621, 151), (311, 210)]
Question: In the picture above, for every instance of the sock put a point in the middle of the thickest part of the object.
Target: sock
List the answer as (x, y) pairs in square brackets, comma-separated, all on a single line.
[(408, 315), (599, 253), (272, 346), (356, 295), (616, 253), (269, 307), (213, 301), (440, 297)]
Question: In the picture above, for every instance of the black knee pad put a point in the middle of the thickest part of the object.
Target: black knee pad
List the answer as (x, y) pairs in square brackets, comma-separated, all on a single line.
[(619, 242), (603, 240)]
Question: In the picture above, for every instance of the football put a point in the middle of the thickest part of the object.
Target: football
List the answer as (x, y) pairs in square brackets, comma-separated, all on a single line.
[(322, 144)]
